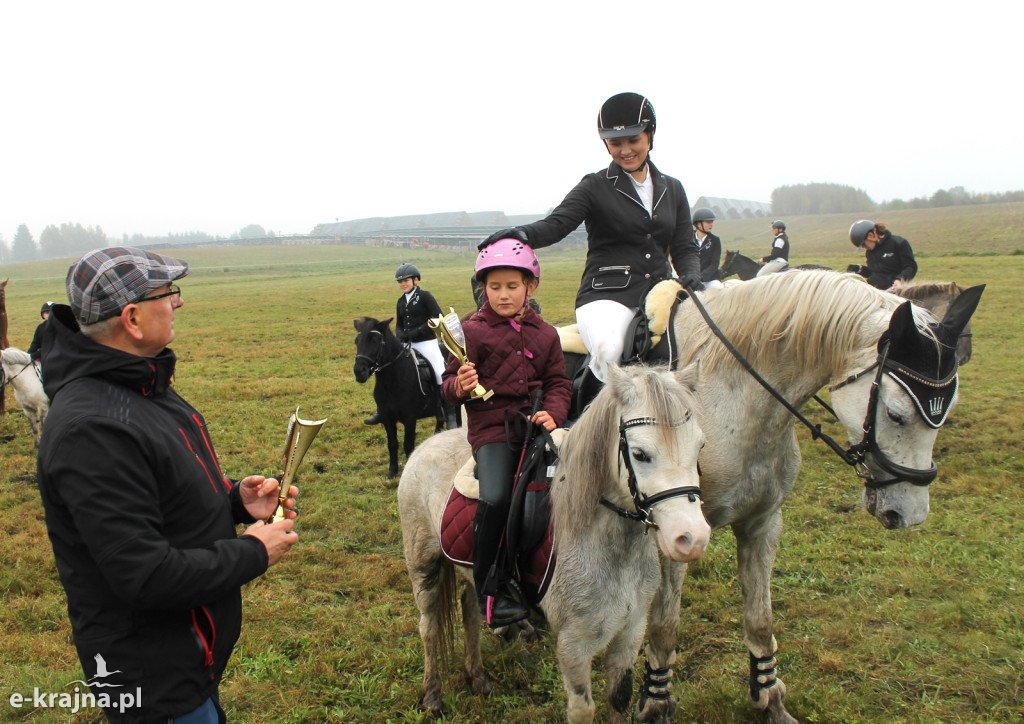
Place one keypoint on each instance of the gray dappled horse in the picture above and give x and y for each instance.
(17, 370)
(893, 380)
(638, 433)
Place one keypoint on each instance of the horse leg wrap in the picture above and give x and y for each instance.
(657, 683)
(762, 678)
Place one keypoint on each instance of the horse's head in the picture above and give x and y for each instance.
(371, 345)
(893, 410)
(636, 447)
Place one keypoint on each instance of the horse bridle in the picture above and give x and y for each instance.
(375, 364)
(5, 380)
(643, 504)
(855, 455)
(869, 444)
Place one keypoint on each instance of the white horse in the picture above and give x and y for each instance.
(18, 371)
(893, 379)
(607, 568)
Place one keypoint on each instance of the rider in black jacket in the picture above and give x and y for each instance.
(637, 219)
(890, 260)
(709, 246)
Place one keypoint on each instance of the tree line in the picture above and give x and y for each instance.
(822, 198)
(73, 240)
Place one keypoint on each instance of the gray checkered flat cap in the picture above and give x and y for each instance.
(105, 281)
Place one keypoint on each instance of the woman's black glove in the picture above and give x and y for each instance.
(854, 268)
(694, 284)
(515, 233)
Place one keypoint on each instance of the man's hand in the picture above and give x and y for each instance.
(277, 537)
(260, 496)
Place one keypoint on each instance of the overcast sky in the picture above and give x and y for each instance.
(209, 116)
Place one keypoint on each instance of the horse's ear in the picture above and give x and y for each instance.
(616, 379)
(385, 323)
(901, 324)
(960, 310)
(689, 375)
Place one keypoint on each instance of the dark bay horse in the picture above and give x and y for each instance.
(735, 263)
(400, 395)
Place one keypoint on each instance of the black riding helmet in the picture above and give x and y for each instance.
(779, 224)
(625, 115)
(703, 214)
(406, 271)
(47, 307)
(859, 232)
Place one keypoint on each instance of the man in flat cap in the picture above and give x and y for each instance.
(140, 516)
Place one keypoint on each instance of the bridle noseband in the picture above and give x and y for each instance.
(643, 504)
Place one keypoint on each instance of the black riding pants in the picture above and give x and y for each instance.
(495, 469)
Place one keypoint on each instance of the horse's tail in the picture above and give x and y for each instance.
(446, 590)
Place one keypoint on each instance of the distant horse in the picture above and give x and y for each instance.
(631, 450)
(936, 298)
(398, 392)
(16, 369)
(893, 381)
(736, 263)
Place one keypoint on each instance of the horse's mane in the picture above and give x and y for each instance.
(14, 355)
(590, 450)
(923, 290)
(817, 317)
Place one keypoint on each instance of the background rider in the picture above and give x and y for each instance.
(890, 260)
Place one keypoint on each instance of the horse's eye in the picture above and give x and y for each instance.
(898, 419)
(640, 456)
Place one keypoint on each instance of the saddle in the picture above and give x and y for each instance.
(645, 341)
(533, 537)
(425, 372)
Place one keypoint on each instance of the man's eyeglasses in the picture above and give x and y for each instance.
(175, 289)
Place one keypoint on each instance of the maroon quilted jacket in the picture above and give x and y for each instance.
(514, 363)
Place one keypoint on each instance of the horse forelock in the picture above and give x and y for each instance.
(815, 318)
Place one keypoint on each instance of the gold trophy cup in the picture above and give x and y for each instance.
(300, 437)
(449, 330)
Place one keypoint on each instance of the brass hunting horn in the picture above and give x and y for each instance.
(300, 437)
(449, 330)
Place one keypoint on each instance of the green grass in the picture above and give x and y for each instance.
(923, 625)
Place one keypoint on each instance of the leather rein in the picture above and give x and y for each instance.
(855, 455)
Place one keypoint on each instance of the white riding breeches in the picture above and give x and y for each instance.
(602, 326)
(713, 284)
(431, 352)
(770, 267)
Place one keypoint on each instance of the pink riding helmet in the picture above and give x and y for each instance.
(510, 253)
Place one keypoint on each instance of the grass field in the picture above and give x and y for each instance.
(922, 625)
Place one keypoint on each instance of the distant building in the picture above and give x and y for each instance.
(734, 208)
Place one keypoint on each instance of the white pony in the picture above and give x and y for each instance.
(893, 378)
(607, 568)
(18, 371)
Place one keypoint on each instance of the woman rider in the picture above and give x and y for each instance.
(709, 246)
(637, 218)
(413, 309)
(890, 260)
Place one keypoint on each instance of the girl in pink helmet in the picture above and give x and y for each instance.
(515, 353)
